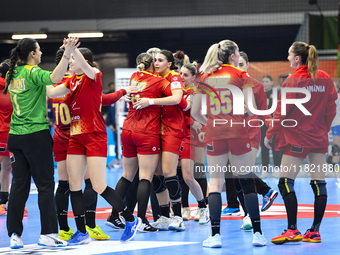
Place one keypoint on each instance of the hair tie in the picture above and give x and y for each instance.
(17, 49)
(219, 46)
(307, 47)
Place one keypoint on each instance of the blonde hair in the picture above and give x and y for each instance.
(153, 51)
(144, 61)
(217, 55)
(192, 67)
(309, 56)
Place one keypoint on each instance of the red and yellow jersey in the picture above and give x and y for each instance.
(173, 120)
(146, 120)
(234, 126)
(309, 131)
(86, 104)
(6, 107)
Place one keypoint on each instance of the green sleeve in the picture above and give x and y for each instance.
(40, 77)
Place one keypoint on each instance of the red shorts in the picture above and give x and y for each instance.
(91, 144)
(3, 144)
(301, 152)
(188, 151)
(134, 143)
(172, 144)
(60, 151)
(254, 144)
(237, 146)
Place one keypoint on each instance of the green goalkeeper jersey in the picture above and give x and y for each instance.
(28, 95)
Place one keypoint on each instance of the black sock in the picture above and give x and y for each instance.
(143, 193)
(319, 210)
(3, 197)
(204, 185)
(127, 215)
(165, 210)
(177, 208)
(202, 204)
(90, 199)
(78, 207)
(122, 188)
(215, 207)
(252, 204)
(185, 194)
(61, 199)
(240, 195)
(290, 201)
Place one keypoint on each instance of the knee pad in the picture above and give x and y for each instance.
(158, 184)
(286, 186)
(90, 196)
(62, 197)
(335, 150)
(319, 188)
(175, 190)
(247, 184)
(199, 171)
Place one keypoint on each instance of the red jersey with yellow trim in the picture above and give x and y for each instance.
(234, 126)
(191, 134)
(261, 103)
(312, 130)
(146, 120)
(86, 103)
(61, 108)
(6, 107)
(173, 120)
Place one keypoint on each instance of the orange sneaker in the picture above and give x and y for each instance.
(313, 237)
(287, 236)
(3, 210)
(25, 212)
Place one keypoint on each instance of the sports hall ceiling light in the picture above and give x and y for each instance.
(86, 35)
(34, 36)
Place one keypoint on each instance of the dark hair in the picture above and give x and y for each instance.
(19, 54)
(244, 56)
(143, 61)
(88, 55)
(59, 55)
(308, 54)
(4, 66)
(268, 77)
(169, 57)
(179, 58)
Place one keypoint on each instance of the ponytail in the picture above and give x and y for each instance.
(12, 63)
(309, 56)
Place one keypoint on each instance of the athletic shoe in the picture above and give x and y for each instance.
(51, 240)
(177, 224)
(247, 226)
(259, 240)
(197, 216)
(66, 235)
(16, 242)
(131, 229)
(115, 222)
(204, 216)
(145, 227)
(97, 233)
(288, 236)
(25, 212)
(79, 238)
(3, 210)
(213, 241)
(186, 213)
(231, 212)
(313, 237)
(268, 199)
(162, 223)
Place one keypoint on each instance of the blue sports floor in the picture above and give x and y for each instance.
(234, 240)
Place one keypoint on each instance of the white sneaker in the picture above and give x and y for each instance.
(177, 224)
(186, 213)
(213, 241)
(204, 216)
(162, 223)
(197, 216)
(247, 226)
(259, 240)
(51, 240)
(16, 242)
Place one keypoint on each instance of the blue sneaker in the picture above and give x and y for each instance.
(268, 199)
(231, 212)
(130, 229)
(213, 241)
(79, 238)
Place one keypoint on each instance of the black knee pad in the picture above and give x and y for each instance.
(286, 186)
(335, 150)
(319, 188)
(247, 184)
(90, 196)
(175, 190)
(199, 171)
(62, 196)
(158, 184)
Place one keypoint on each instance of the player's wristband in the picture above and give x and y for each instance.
(151, 102)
